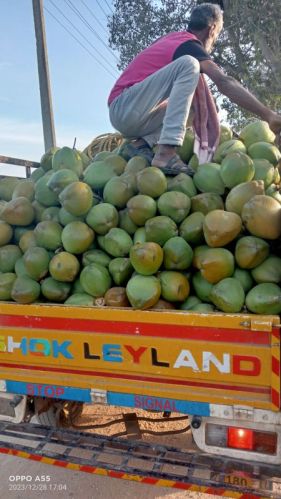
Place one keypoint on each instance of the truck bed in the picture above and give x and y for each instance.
(164, 360)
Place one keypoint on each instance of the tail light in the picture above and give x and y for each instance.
(232, 437)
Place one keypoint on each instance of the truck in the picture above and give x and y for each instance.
(220, 370)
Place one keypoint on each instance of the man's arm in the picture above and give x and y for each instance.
(239, 95)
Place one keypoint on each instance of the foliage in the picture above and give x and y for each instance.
(249, 48)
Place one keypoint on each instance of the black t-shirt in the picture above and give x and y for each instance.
(193, 48)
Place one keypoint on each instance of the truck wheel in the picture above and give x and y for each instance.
(58, 414)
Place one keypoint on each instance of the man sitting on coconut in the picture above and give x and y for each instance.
(151, 101)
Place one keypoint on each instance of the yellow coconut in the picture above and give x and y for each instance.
(262, 217)
(221, 227)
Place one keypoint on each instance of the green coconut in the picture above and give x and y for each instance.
(178, 254)
(43, 194)
(152, 182)
(141, 208)
(102, 217)
(174, 286)
(96, 255)
(175, 205)
(135, 164)
(25, 290)
(68, 158)
(46, 161)
(95, 280)
(19, 231)
(159, 229)
(208, 179)
(228, 147)
(118, 191)
(185, 151)
(7, 186)
(36, 174)
(146, 258)
(245, 278)
(202, 287)
(139, 235)
(6, 233)
(143, 292)
(38, 210)
(48, 235)
(20, 269)
(131, 180)
(77, 198)
(102, 155)
(18, 211)
(241, 194)
(126, 223)
(24, 189)
(77, 286)
(268, 271)
(264, 299)
(261, 216)
(256, 132)
(101, 241)
(55, 291)
(80, 300)
(27, 240)
(236, 168)
(264, 150)
(120, 270)
(190, 302)
(77, 237)
(205, 202)
(64, 267)
(7, 280)
(98, 173)
(264, 171)
(60, 179)
(274, 192)
(228, 295)
(51, 213)
(182, 183)
(225, 134)
(36, 261)
(117, 162)
(117, 242)
(66, 218)
(250, 252)
(198, 255)
(191, 229)
(203, 308)
(9, 254)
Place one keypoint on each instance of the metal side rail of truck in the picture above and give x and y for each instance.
(221, 370)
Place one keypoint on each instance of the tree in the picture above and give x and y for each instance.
(249, 49)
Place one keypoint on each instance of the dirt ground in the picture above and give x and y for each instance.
(153, 426)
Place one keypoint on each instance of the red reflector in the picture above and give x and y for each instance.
(240, 438)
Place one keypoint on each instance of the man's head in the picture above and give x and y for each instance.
(206, 21)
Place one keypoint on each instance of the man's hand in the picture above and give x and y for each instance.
(236, 93)
(274, 121)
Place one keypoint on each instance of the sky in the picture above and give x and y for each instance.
(79, 83)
